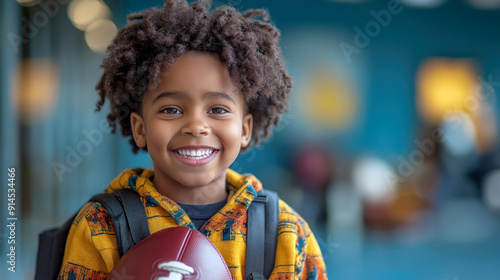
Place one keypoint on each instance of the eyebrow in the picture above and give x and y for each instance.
(207, 95)
(169, 94)
(217, 95)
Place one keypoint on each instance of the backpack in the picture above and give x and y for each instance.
(130, 223)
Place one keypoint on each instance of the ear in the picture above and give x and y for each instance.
(138, 129)
(246, 131)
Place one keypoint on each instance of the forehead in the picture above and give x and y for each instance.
(197, 70)
(192, 76)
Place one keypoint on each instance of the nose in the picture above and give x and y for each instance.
(195, 126)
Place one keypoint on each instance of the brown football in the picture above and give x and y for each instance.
(178, 253)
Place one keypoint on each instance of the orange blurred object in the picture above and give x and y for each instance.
(35, 89)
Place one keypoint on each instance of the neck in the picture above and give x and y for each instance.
(213, 192)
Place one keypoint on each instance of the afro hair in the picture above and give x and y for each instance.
(244, 41)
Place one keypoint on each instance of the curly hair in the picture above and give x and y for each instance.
(155, 38)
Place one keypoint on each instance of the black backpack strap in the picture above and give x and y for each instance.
(272, 223)
(51, 246)
(125, 209)
(123, 206)
(262, 235)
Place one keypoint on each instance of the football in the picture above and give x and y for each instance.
(178, 253)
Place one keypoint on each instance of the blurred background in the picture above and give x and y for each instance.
(390, 150)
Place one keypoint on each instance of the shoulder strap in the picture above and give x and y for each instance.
(125, 209)
(51, 245)
(262, 235)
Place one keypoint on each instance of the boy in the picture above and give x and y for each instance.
(193, 88)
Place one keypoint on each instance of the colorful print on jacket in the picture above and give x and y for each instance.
(91, 251)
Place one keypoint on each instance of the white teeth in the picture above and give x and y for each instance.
(195, 154)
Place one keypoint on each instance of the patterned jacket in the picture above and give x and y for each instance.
(91, 250)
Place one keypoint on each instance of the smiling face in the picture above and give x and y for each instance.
(194, 125)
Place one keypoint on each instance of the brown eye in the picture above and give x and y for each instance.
(218, 110)
(171, 111)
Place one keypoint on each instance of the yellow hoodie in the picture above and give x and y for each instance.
(91, 250)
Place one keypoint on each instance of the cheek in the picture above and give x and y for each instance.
(230, 134)
(157, 137)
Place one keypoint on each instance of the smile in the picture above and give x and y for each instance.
(195, 154)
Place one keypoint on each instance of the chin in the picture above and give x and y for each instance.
(200, 178)
(195, 182)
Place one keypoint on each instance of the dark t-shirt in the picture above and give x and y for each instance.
(199, 214)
